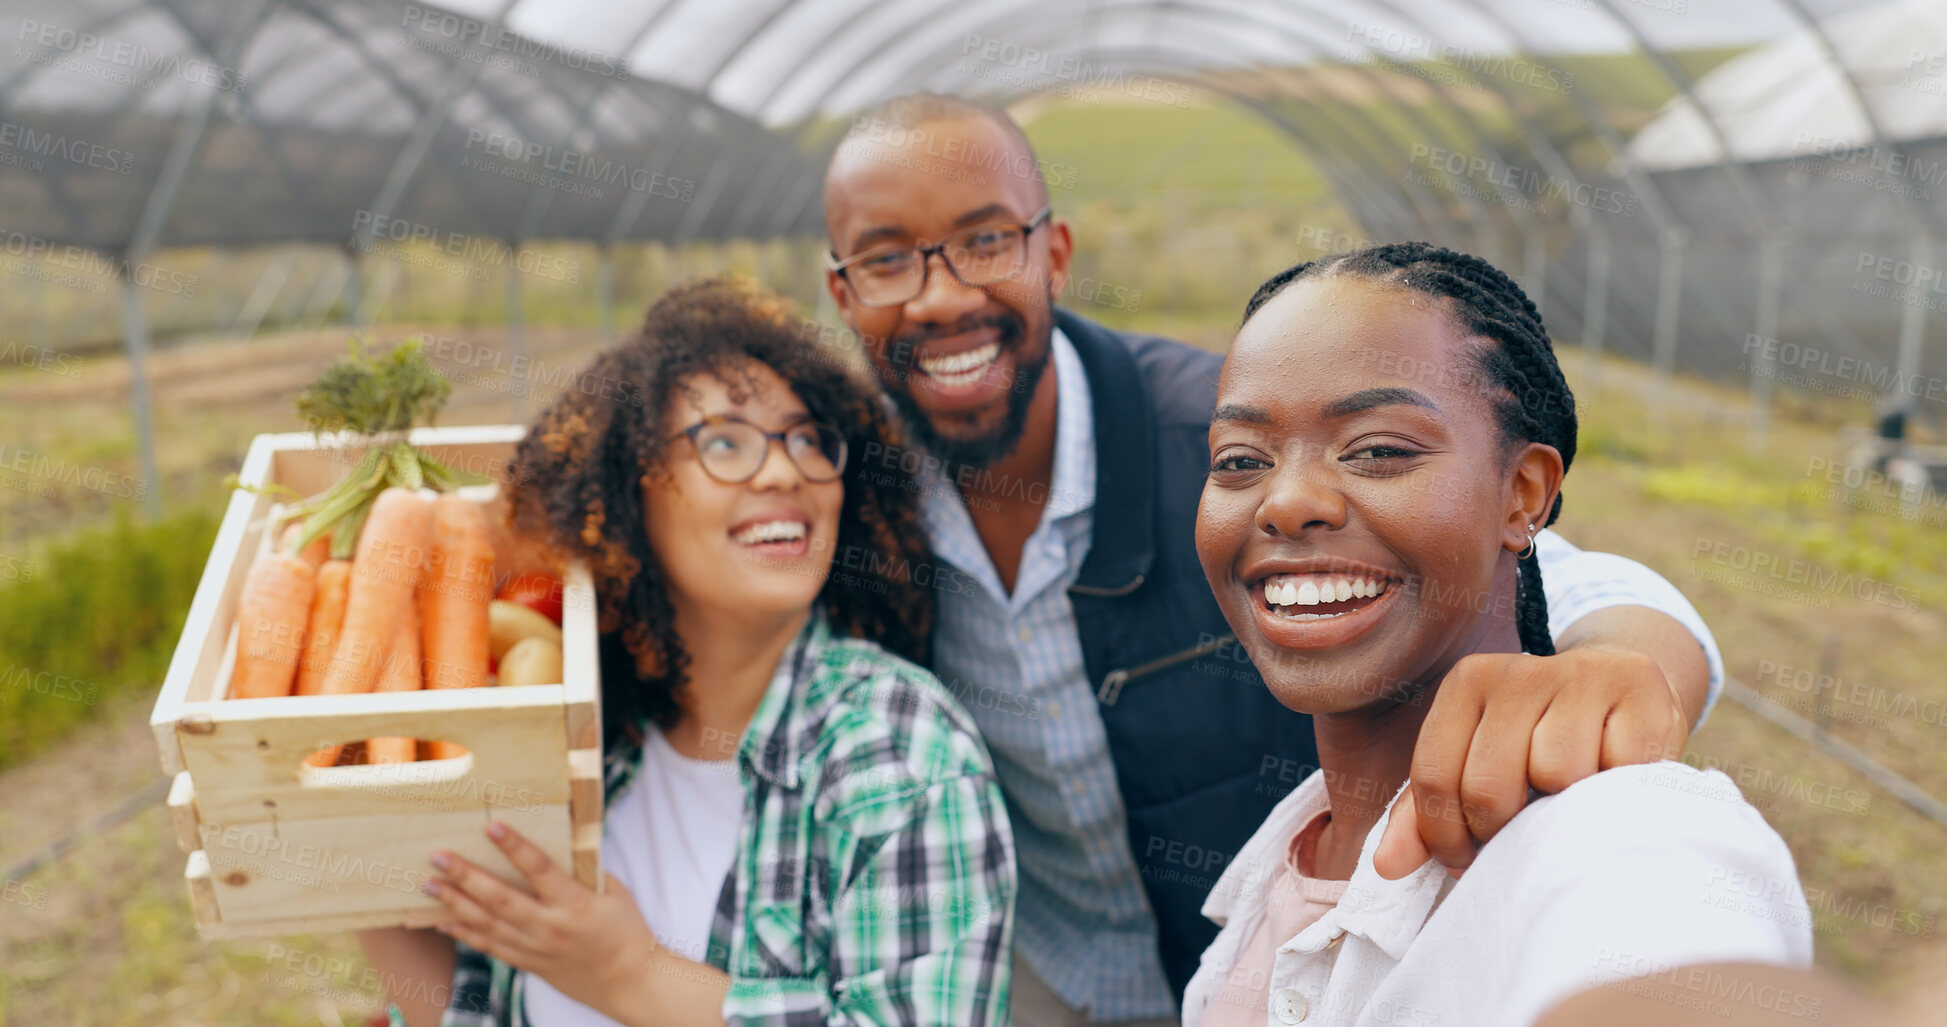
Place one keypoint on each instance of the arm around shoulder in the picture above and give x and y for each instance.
(1601, 601)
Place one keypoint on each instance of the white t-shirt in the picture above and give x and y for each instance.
(1632, 872)
(670, 837)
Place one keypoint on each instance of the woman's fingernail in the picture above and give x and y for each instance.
(442, 861)
(431, 887)
(497, 831)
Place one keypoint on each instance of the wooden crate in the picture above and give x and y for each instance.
(277, 846)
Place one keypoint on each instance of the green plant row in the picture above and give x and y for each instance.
(94, 616)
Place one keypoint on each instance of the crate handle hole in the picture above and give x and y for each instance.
(354, 764)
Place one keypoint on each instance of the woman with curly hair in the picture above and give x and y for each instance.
(803, 825)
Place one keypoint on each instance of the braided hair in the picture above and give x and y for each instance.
(1536, 404)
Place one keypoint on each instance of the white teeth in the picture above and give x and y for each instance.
(961, 368)
(771, 531)
(1288, 590)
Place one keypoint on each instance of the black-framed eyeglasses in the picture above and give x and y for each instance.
(982, 255)
(733, 450)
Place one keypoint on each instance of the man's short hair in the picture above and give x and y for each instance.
(916, 109)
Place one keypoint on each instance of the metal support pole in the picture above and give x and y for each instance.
(1534, 268)
(1764, 367)
(1669, 303)
(354, 289)
(1595, 307)
(263, 295)
(1913, 323)
(516, 345)
(135, 329)
(605, 290)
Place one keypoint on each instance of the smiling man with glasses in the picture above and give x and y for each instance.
(1137, 748)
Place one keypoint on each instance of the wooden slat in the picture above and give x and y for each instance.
(361, 864)
(182, 813)
(202, 893)
(247, 745)
(333, 924)
(588, 856)
(193, 667)
(581, 669)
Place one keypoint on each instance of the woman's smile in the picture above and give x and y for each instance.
(1318, 602)
(775, 533)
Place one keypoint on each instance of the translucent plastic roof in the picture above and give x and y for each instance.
(247, 121)
(1784, 99)
(234, 122)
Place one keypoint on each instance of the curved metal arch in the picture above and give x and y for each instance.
(1655, 205)
(1523, 219)
(1429, 208)
(1551, 157)
(55, 186)
(538, 203)
(1822, 41)
(298, 185)
(1746, 188)
(1390, 86)
(1323, 158)
(1754, 198)
(1427, 212)
(1320, 154)
(189, 142)
(421, 107)
(813, 52)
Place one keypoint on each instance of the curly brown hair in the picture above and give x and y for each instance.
(577, 483)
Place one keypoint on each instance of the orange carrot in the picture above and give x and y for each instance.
(401, 674)
(314, 554)
(453, 601)
(327, 617)
(271, 615)
(391, 557)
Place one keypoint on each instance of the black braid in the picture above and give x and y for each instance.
(1539, 407)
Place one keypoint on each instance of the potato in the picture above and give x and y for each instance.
(510, 623)
(532, 661)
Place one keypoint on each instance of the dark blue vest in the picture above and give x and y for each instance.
(1202, 751)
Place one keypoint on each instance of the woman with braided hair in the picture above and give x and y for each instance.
(1391, 431)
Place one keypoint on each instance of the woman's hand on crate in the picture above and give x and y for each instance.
(596, 949)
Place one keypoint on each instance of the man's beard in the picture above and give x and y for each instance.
(983, 450)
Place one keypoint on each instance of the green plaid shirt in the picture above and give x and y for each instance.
(874, 879)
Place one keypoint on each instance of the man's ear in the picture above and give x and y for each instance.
(840, 295)
(1061, 250)
(1534, 482)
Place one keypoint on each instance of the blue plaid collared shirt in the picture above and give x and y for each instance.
(1083, 923)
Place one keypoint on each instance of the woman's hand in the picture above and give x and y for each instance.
(1506, 726)
(596, 949)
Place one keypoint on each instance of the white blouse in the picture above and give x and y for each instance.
(1632, 872)
(670, 837)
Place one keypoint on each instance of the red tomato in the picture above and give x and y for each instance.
(537, 592)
